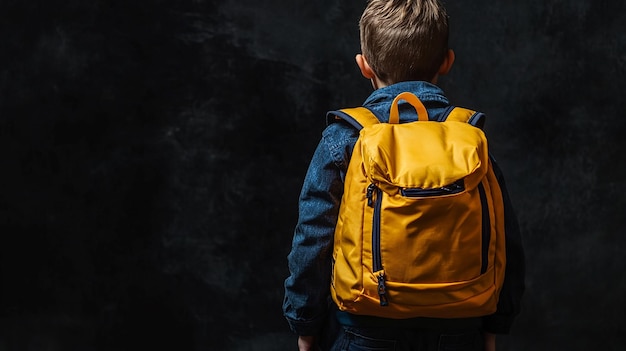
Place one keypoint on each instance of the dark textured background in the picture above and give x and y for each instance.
(152, 154)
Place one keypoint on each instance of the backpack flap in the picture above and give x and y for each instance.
(425, 155)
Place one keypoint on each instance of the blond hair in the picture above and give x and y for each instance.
(404, 39)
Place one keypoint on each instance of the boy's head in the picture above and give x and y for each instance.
(404, 40)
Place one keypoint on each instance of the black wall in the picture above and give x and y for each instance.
(152, 153)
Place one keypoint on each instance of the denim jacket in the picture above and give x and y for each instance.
(307, 289)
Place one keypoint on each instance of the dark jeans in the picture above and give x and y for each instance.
(403, 339)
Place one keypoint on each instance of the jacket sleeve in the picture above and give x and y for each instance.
(307, 289)
(514, 286)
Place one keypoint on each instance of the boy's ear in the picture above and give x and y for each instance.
(446, 65)
(366, 71)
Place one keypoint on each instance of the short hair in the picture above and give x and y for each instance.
(404, 39)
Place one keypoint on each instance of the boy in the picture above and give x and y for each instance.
(404, 48)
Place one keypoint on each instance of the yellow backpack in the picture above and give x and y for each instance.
(420, 231)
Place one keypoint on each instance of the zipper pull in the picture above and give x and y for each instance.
(382, 290)
(454, 187)
(369, 194)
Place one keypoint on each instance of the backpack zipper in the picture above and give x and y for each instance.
(450, 189)
(376, 257)
(486, 230)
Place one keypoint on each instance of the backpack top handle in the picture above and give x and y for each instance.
(394, 115)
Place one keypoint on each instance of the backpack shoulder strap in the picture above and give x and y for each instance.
(460, 114)
(358, 117)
